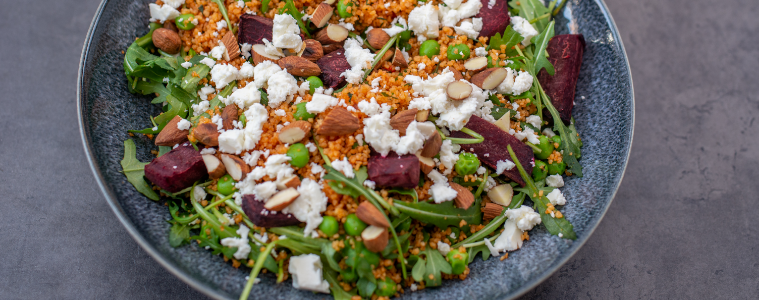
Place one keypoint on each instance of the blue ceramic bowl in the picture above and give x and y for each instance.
(604, 114)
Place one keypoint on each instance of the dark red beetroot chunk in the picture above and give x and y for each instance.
(394, 170)
(253, 29)
(495, 19)
(176, 170)
(494, 146)
(332, 65)
(263, 217)
(565, 53)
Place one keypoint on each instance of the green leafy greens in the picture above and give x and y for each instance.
(134, 170)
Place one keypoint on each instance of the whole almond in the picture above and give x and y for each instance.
(167, 40)
(299, 66)
(377, 38)
(228, 116)
(295, 132)
(464, 198)
(402, 119)
(207, 134)
(170, 135)
(339, 122)
(432, 145)
(313, 50)
(491, 210)
(368, 213)
(326, 49)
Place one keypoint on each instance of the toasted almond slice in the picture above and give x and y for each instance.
(504, 122)
(207, 134)
(426, 164)
(331, 34)
(375, 238)
(399, 60)
(476, 64)
(491, 210)
(456, 74)
(299, 66)
(228, 116)
(501, 194)
(236, 167)
(385, 57)
(312, 50)
(259, 54)
(432, 146)
(214, 166)
(295, 132)
(339, 122)
(170, 135)
(458, 90)
(282, 199)
(331, 47)
(291, 182)
(368, 213)
(489, 78)
(233, 49)
(464, 198)
(330, 2)
(377, 38)
(422, 115)
(401, 120)
(321, 15)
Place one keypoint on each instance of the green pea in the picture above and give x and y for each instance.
(405, 46)
(557, 168)
(458, 261)
(329, 225)
(299, 154)
(242, 119)
(372, 258)
(314, 83)
(226, 185)
(457, 52)
(349, 275)
(429, 48)
(385, 287)
(342, 8)
(301, 113)
(404, 36)
(353, 225)
(545, 146)
(540, 171)
(183, 21)
(556, 139)
(467, 164)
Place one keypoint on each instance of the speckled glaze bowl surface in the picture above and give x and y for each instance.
(604, 114)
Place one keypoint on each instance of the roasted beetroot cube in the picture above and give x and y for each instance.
(263, 217)
(394, 170)
(565, 53)
(332, 65)
(176, 170)
(253, 29)
(495, 19)
(494, 147)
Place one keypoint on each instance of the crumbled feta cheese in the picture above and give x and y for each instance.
(441, 191)
(270, 49)
(555, 181)
(241, 243)
(265, 190)
(412, 142)
(241, 4)
(519, 220)
(453, 114)
(221, 24)
(493, 250)
(423, 21)
(443, 248)
(524, 28)
(281, 86)
(371, 108)
(534, 121)
(309, 205)
(306, 270)
(548, 132)
(320, 102)
(183, 124)
(556, 197)
(232, 141)
(470, 28)
(447, 157)
(414, 287)
(394, 28)
(245, 50)
(285, 32)
(481, 170)
(370, 184)
(186, 65)
(208, 62)
(246, 70)
(522, 83)
(359, 59)
(316, 168)
(245, 97)
(208, 151)
(421, 66)
(343, 166)
(200, 108)
(379, 134)
(174, 3)
(223, 74)
(454, 11)
(162, 13)
(504, 165)
(263, 71)
(528, 134)
(251, 158)
(525, 217)
(348, 26)
(311, 147)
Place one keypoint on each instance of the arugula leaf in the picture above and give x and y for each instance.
(329, 253)
(134, 170)
(541, 57)
(337, 290)
(177, 109)
(510, 38)
(479, 249)
(364, 270)
(570, 145)
(441, 215)
(264, 97)
(163, 150)
(223, 10)
(436, 264)
(532, 10)
(419, 269)
(179, 234)
(216, 101)
(366, 287)
(408, 192)
(190, 82)
(139, 63)
(391, 247)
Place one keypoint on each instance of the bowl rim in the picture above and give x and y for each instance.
(208, 290)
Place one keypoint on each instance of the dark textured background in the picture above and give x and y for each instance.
(680, 227)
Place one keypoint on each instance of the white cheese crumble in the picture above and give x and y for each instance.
(285, 32)
(221, 24)
(241, 243)
(281, 86)
(245, 50)
(246, 70)
(453, 114)
(359, 59)
(320, 102)
(454, 11)
(186, 65)
(548, 132)
(200, 108)
(379, 134)
(528, 134)
(443, 248)
(344, 166)
(183, 124)
(441, 191)
(162, 13)
(263, 71)
(309, 205)
(394, 28)
(223, 74)
(306, 270)
(519, 220)
(174, 3)
(504, 165)
(471, 29)
(208, 62)
(423, 21)
(245, 97)
(524, 28)
(370, 184)
(265, 190)
(534, 121)
(556, 197)
(555, 181)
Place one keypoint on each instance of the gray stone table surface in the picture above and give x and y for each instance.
(683, 224)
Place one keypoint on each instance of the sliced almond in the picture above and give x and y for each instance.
(321, 15)
(330, 48)
(501, 194)
(456, 74)
(312, 50)
(170, 135)
(458, 90)
(399, 60)
(425, 163)
(233, 49)
(422, 115)
(504, 122)
(330, 2)
(291, 182)
(228, 116)
(426, 128)
(282, 199)
(299, 66)
(236, 167)
(339, 122)
(489, 78)
(259, 54)
(432, 146)
(214, 166)
(385, 57)
(295, 132)
(377, 38)
(476, 64)
(464, 198)
(207, 134)
(375, 238)
(401, 120)
(331, 34)
(491, 211)
(369, 213)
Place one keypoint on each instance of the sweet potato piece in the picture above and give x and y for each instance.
(332, 65)
(565, 53)
(253, 29)
(263, 217)
(176, 170)
(394, 170)
(493, 149)
(495, 19)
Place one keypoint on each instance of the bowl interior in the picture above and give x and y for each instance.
(604, 114)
